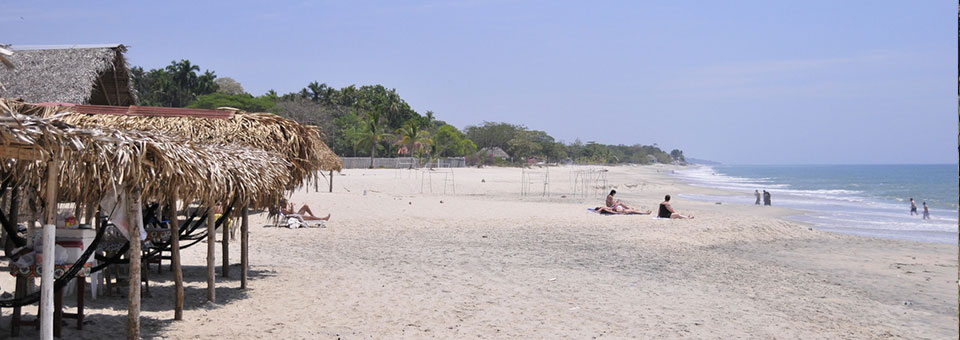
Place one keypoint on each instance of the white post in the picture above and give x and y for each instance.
(46, 285)
(49, 246)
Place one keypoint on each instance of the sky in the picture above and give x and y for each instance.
(740, 82)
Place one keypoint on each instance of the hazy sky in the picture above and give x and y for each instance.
(732, 81)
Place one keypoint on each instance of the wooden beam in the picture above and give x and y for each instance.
(24, 153)
(133, 309)
(244, 242)
(331, 180)
(211, 240)
(103, 89)
(175, 257)
(225, 242)
(49, 246)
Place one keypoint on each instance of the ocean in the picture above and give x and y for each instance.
(868, 200)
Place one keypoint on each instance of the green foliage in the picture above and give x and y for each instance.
(450, 142)
(242, 101)
(350, 131)
(357, 121)
(415, 139)
(491, 134)
(176, 85)
(373, 134)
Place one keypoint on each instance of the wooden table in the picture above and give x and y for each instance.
(24, 273)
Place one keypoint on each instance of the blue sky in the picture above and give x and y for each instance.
(758, 82)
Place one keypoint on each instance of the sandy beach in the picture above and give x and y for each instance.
(405, 258)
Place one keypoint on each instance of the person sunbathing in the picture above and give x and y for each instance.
(303, 212)
(613, 211)
(666, 211)
(615, 204)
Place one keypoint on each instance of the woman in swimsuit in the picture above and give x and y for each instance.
(288, 210)
(614, 203)
(666, 211)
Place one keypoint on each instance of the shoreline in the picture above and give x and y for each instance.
(808, 216)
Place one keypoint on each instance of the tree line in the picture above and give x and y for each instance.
(373, 121)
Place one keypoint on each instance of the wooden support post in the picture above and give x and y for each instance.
(133, 309)
(225, 242)
(49, 246)
(211, 240)
(331, 180)
(14, 215)
(88, 215)
(175, 258)
(244, 243)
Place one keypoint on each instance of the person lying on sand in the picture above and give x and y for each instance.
(666, 211)
(612, 211)
(615, 204)
(303, 212)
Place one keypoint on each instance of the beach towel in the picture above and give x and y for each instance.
(601, 212)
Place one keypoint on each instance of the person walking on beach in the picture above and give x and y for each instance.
(757, 194)
(926, 211)
(766, 198)
(913, 207)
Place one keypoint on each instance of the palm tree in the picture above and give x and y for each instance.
(414, 138)
(373, 134)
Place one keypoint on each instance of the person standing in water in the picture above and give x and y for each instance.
(913, 207)
(926, 211)
(757, 194)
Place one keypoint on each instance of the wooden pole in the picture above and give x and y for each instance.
(133, 311)
(49, 246)
(331, 180)
(225, 242)
(244, 242)
(175, 257)
(211, 240)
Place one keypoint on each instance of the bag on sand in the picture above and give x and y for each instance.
(294, 223)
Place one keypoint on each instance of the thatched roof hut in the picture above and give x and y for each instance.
(301, 145)
(79, 74)
(95, 159)
(493, 152)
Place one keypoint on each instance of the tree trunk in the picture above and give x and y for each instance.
(225, 242)
(175, 258)
(244, 243)
(133, 309)
(211, 249)
(373, 153)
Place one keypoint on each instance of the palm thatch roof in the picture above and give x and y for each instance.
(79, 74)
(301, 145)
(96, 159)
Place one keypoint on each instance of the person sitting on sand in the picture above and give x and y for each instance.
(615, 204)
(666, 211)
(302, 212)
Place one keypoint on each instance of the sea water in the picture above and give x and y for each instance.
(868, 200)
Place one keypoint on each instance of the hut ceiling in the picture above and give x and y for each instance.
(95, 159)
(91, 74)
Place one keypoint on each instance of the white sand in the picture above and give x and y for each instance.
(486, 263)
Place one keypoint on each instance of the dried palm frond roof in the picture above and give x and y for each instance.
(96, 159)
(301, 145)
(80, 74)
